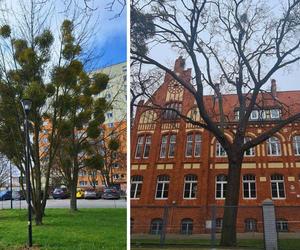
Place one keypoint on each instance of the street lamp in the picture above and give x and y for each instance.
(26, 104)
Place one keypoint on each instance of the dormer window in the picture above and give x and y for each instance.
(254, 115)
(275, 113)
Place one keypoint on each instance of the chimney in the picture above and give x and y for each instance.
(273, 88)
(179, 65)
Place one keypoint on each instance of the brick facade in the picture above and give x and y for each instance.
(208, 166)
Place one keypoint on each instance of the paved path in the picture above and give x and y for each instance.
(66, 204)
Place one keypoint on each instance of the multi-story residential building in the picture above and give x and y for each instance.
(178, 170)
(114, 125)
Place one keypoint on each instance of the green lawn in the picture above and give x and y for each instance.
(99, 228)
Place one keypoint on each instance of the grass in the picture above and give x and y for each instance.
(97, 228)
(250, 244)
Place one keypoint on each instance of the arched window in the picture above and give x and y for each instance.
(190, 186)
(186, 226)
(220, 151)
(273, 146)
(282, 225)
(250, 151)
(136, 186)
(221, 184)
(143, 146)
(249, 186)
(277, 186)
(167, 146)
(193, 145)
(250, 225)
(162, 187)
(172, 110)
(296, 144)
(156, 226)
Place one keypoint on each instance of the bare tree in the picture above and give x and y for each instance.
(234, 46)
(4, 172)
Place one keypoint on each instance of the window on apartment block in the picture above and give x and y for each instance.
(250, 151)
(186, 226)
(220, 151)
(172, 110)
(273, 146)
(143, 146)
(190, 186)
(277, 186)
(296, 144)
(221, 184)
(156, 226)
(193, 145)
(167, 146)
(282, 225)
(162, 187)
(136, 186)
(250, 225)
(249, 186)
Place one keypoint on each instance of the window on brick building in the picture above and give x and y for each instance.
(186, 226)
(296, 144)
(250, 151)
(282, 225)
(277, 186)
(136, 186)
(273, 146)
(219, 224)
(190, 186)
(171, 111)
(250, 225)
(249, 186)
(221, 184)
(156, 226)
(193, 145)
(143, 146)
(220, 151)
(131, 224)
(167, 146)
(162, 187)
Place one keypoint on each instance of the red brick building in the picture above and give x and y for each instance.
(179, 170)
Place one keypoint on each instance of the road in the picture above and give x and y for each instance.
(66, 204)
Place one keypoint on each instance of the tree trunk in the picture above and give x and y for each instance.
(73, 199)
(228, 237)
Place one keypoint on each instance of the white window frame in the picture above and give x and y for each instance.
(163, 144)
(254, 115)
(193, 181)
(273, 141)
(172, 144)
(296, 145)
(277, 182)
(137, 182)
(189, 143)
(277, 116)
(164, 184)
(147, 144)
(219, 150)
(248, 181)
(198, 142)
(252, 150)
(222, 183)
(139, 146)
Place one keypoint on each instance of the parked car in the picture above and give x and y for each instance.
(80, 194)
(92, 194)
(5, 195)
(111, 193)
(18, 195)
(60, 193)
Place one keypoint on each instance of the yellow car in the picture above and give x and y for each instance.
(80, 194)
